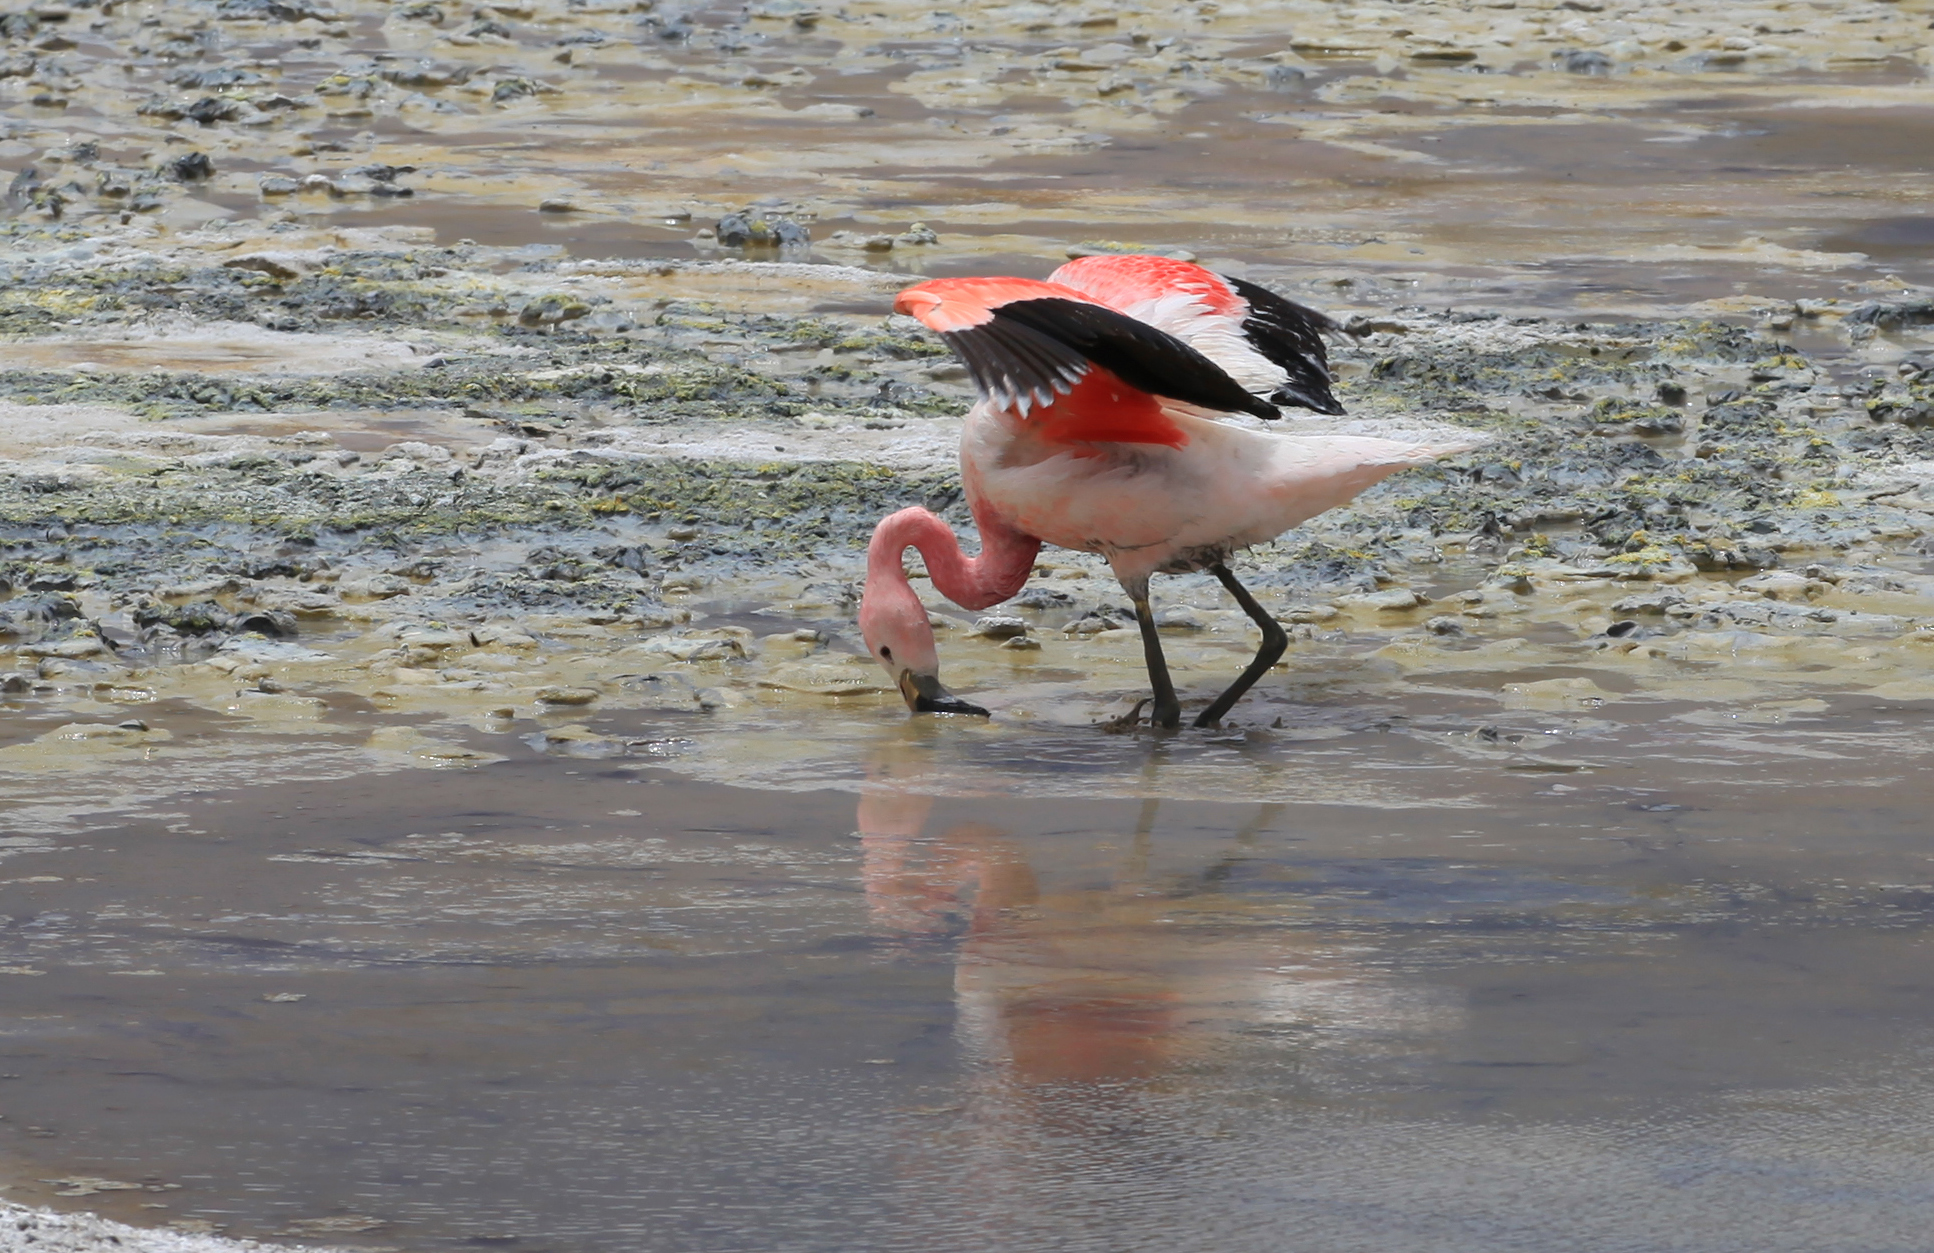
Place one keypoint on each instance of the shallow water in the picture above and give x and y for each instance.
(1499, 938)
(1661, 986)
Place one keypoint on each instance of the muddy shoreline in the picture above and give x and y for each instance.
(389, 388)
(493, 485)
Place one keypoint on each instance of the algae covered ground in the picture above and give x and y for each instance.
(471, 484)
(568, 323)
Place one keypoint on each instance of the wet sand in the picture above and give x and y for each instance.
(445, 803)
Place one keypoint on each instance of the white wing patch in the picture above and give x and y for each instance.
(1184, 314)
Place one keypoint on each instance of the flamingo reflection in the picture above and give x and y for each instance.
(1107, 974)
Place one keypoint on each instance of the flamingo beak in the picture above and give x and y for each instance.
(925, 696)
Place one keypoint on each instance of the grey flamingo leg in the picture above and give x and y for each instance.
(1168, 710)
(1274, 641)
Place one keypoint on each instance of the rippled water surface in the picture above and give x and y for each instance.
(1648, 982)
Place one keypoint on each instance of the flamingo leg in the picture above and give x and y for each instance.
(1168, 710)
(1274, 641)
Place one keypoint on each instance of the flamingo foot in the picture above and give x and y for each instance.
(1167, 713)
(1274, 641)
(1128, 721)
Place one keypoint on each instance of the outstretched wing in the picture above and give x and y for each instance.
(1291, 335)
(1271, 345)
(1027, 343)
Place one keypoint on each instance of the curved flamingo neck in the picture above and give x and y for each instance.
(1006, 557)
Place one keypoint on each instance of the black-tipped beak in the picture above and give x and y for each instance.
(925, 696)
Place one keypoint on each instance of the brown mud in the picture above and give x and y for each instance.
(446, 804)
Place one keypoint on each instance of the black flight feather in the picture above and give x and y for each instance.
(1291, 336)
(1040, 346)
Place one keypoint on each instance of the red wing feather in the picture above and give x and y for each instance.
(1128, 279)
(1103, 409)
(1026, 343)
(954, 304)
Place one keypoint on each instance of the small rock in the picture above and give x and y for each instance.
(380, 172)
(1512, 581)
(211, 109)
(1023, 643)
(615, 320)
(556, 204)
(501, 635)
(624, 557)
(751, 229)
(1583, 61)
(566, 695)
(1179, 618)
(1394, 600)
(1782, 585)
(551, 310)
(832, 112)
(1654, 603)
(265, 622)
(192, 167)
(376, 587)
(201, 618)
(1092, 624)
(13, 683)
(688, 648)
(264, 263)
(1444, 624)
(999, 627)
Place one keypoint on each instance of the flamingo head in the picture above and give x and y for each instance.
(894, 624)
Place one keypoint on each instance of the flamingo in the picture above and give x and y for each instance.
(1099, 428)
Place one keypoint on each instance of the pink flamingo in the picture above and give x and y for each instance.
(1097, 429)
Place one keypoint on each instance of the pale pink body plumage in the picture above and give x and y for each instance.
(1168, 489)
(1152, 509)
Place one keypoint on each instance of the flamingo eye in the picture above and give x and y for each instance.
(886, 654)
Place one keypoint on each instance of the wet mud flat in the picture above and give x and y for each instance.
(1542, 155)
(446, 804)
(470, 510)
